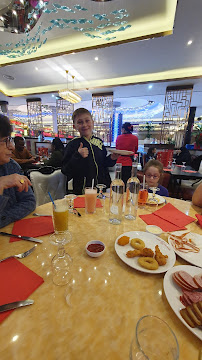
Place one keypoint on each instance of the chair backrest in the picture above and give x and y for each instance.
(54, 183)
(164, 180)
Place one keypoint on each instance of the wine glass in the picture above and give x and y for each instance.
(169, 164)
(101, 187)
(62, 261)
(154, 200)
(154, 340)
(70, 200)
(183, 165)
(173, 163)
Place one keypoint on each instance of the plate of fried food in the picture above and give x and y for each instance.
(187, 245)
(155, 199)
(145, 252)
(183, 289)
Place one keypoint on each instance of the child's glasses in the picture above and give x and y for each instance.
(152, 176)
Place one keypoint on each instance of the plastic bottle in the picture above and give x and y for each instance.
(116, 197)
(133, 187)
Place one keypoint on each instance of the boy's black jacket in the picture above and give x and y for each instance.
(83, 170)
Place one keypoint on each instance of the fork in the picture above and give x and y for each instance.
(36, 214)
(20, 256)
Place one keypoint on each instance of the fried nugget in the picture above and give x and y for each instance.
(146, 252)
(160, 258)
(133, 253)
(123, 240)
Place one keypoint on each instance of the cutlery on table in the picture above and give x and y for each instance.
(36, 214)
(75, 212)
(15, 305)
(20, 256)
(28, 238)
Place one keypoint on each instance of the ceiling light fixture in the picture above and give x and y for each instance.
(96, 58)
(36, 68)
(150, 86)
(68, 94)
(189, 42)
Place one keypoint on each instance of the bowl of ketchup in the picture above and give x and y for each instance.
(95, 248)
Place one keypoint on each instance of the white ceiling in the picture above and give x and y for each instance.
(136, 64)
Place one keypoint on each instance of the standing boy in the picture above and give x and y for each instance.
(86, 157)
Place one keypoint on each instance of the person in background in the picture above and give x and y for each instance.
(153, 171)
(197, 196)
(183, 155)
(57, 154)
(16, 196)
(21, 155)
(40, 136)
(151, 154)
(86, 157)
(126, 141)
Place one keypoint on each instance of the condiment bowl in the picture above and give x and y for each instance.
(154, 229)
(95, 243)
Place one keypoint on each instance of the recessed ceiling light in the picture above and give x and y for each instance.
(73, 53)
(8, 77)
(53, 95)
(36, 68)
(150, 86)
(189, 42)
(96, 58)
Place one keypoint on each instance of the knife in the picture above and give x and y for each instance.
(15, 305)
(29, 238)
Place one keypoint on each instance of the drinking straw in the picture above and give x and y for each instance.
(52, 199)
(92, 183)
(143, 182)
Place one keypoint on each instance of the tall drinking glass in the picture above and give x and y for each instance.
(60, 215)
(90, 200)
(142, 196)
(154, 340)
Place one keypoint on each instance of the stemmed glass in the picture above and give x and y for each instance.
(154, 200)
(101, 187)
(61, 262)
(173, 163)
(183, 165)
(169, 164)
(154, 340)
(70, 200)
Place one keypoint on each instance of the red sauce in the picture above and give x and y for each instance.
(95, 248)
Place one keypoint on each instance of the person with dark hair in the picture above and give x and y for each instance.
(86, 157)
(126, 141)
(57, 153)
(16, 197)
(151, 154)
(21, 155)
(153, 171)
(183, 155)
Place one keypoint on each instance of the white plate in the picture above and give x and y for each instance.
(121, 152)
(160, 199)
(191, 257)
(150, 241)
(173, 293)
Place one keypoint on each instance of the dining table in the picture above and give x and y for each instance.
(95, 315)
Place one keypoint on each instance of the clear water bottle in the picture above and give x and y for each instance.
(116, 197)
(132, 190)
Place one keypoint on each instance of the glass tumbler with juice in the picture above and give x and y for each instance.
(142, 196)
(90, 200)
(60, 215)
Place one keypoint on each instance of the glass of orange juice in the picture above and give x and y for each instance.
(60, 215)
(90, 199)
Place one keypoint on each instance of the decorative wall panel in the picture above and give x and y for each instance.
(64, 110)
(176, 110)
(102, 112)
(34, 112)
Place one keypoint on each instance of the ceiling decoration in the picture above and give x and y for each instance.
(68, 94)
(62, 29)
(17, 17)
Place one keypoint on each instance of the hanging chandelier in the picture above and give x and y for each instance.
(68, 94)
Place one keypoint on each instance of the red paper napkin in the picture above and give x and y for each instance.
(153, 219)
(173, 215)
(34, 227)
(17, 282)
(199, 217)
(79, 202)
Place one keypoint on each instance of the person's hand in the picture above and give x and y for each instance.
(32, 159)
(14, 180)
(114, 156)
(83, 151)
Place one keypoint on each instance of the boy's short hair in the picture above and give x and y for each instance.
(79, 112)
(154, 163)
